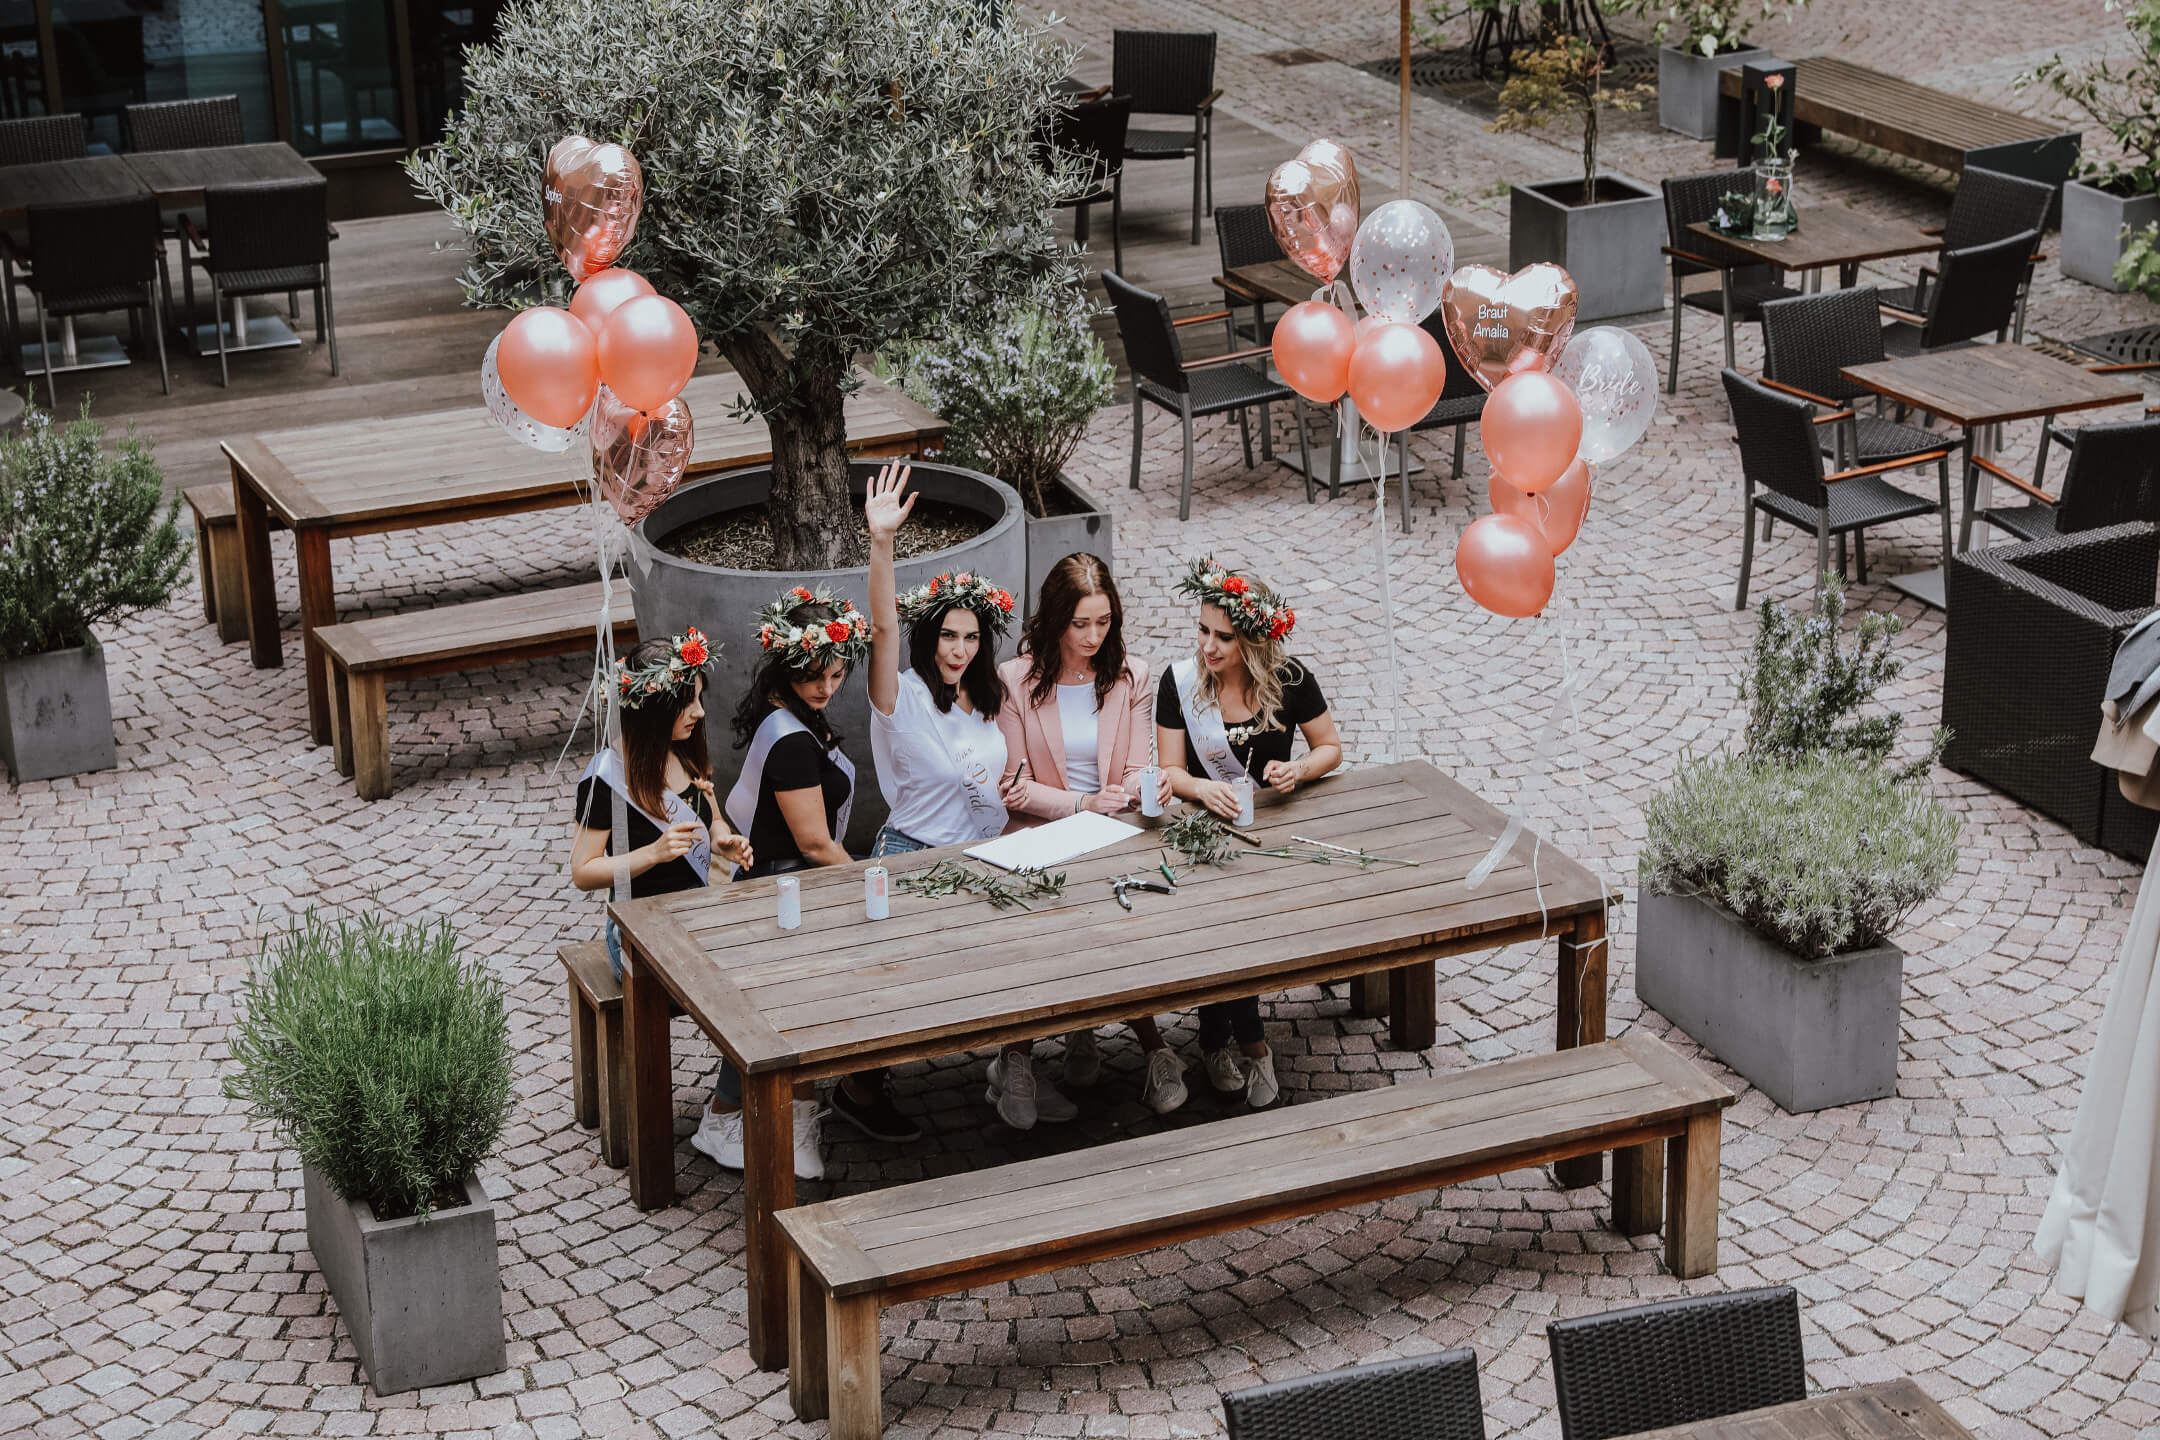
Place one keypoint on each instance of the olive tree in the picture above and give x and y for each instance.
(823, 179)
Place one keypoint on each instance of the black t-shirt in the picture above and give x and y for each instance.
(1301, 702)
(595, 811)
(795, 762)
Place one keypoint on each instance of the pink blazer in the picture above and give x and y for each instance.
(1033, 732)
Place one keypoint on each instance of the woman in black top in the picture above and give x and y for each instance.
(1228, 711)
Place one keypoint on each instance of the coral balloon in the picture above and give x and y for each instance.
(1506, 565)
(597, 298)
(1614, 377)
(547, 361)
(1558, 512)
(1400, 261)
(648, 347)
(1531, 428)
(1494, 318)
(1370, 323)
(590, 200)
(1313, 343)
(1312, 208)
(547, 439)
(639, 459)
(1396, 374)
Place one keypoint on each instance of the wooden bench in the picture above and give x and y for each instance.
(362, 656)
(596, 1049)
(1931, 126)
(217, 557)
(856, 1255)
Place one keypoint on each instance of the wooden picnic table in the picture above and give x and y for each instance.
(1829, 235)
(180, 176)
(1887, 1410)
(365, 477)
(842, 994)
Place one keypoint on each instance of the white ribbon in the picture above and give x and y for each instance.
(607, 767)
(1204, 726)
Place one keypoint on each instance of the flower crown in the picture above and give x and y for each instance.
(1255, 611)
(992, 605)
(673, 680)
(845, 637)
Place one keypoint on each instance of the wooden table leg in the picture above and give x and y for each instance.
(1369, 995)
(650, 1076)
(257, 581)
(1582, 1020)
(317, 607)
(768, 1188)
(1691, 1198)
(1638, 1189)
(1413, 1002)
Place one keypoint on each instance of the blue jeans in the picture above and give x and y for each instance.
(894, 842)
(727, 1089)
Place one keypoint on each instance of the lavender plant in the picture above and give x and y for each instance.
(82, 542)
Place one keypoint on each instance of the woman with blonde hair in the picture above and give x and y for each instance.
(1227, 713)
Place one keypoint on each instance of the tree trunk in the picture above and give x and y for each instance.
(812, 510)
(1589, 152)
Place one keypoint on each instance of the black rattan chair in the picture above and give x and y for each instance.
(1242, 237)
(184, 124)
(1987, 206)
(1807, 341)
(1170, 72)
(1975, 298)
(43, 137)
(271, 238)
(92, 257)
(1782, 463)
(2113, 478)
(1677, 1361)
(1426, 1397)
(1194, 388)
(1691, 198)
(2032, 630)
(1094, 130)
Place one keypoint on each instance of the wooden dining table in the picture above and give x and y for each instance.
(1830, 237)
(367, 477)
(1887, 1410)
(66, 182)
(179, 178)
(842, 993)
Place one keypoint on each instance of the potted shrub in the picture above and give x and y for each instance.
(383, 1058)
(1606, 230)
(1773, 878)
(1698, 39)
(2115, 197)
(2139, 267)
(82, 545)
(1019, 399)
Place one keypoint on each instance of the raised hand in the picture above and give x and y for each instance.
(883, 510)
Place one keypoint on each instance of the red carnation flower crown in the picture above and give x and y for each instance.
(673, 680)
(992, 604)
(845, 637)
(1254, 610)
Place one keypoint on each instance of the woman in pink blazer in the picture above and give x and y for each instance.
(1078, 716)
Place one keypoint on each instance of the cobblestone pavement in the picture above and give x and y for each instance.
(155, 1273)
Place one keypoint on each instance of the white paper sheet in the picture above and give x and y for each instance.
(1047, 846)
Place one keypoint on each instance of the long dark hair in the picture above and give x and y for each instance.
(1070, 581)
(769, 685)
(648, 735)
(984, 690)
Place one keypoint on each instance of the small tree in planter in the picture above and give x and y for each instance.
(384, 1059)
(2115, 195)
(87, 539)
(1563, 78)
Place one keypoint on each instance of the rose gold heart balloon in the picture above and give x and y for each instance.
(639, 459)
(591, 202)
(1312, 208)
(1499, 323)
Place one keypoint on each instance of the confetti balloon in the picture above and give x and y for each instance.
(1401, 260)
(521, 427)
(1615, 380)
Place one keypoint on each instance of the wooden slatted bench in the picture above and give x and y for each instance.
(217, 558)
(1931, 126)
(596, 1049)
(856, 1255)
(361, 656)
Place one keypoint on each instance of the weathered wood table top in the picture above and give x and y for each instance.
(180, 176)
(1278, 280)
(1891, 1410)
(65, 182)
(1829, 235)
(1991, 384)
(842, 994)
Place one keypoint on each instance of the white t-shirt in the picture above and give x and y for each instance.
(939, 772)
(1082, 728)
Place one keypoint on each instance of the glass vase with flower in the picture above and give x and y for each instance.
(1774, 217)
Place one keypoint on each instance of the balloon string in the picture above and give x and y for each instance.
(1560, 712)
(1387, 594)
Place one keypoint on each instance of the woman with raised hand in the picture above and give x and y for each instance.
(1228, 712)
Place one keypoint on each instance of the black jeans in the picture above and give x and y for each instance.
(1225, 1019)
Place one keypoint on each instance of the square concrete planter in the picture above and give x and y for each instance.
(2093, 221)
(1687, 87)
(1081, 524)
(1808, 1033)
(1611, 248)
(423, 1298)
(56, 714)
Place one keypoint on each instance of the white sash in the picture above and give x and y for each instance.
(741, 806)
(985, 811)
(607, 767)
(1204, 728)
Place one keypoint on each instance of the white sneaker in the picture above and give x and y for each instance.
(1225, 1070)
(1261, 1090)
(1165, 1090)
(809, 1136)
(1083, 1059)
(719, 1135)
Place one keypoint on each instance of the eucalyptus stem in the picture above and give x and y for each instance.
(951, 877)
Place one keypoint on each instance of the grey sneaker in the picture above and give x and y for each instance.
(1021, 1099)
(1165, 1090)
(1261, 1090)
(1083, 1059)
(1225, 1070)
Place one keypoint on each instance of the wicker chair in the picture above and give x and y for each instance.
(1782, 463)
(2114, 478)
(1170, 72)
(1807, 341)
(1094, 130)
(270, 238)
(184, 124)
(44, 137)
(1977, 296)
(1242, 237)
(92, 257)
(1691, 198)
(2031, 632)
(1193, 389)
(1676, 1362)
(1427, 1397)
(1987, 206)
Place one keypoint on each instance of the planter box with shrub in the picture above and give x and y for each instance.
(2117, 95)
(1076, 522)
(1687, 86)
(2097, 225)
(56, 714)
(1613, 247)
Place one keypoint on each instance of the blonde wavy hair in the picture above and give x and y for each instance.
(1266, 665)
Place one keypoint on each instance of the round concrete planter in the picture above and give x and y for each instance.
(1687, 87)
(673, 594)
